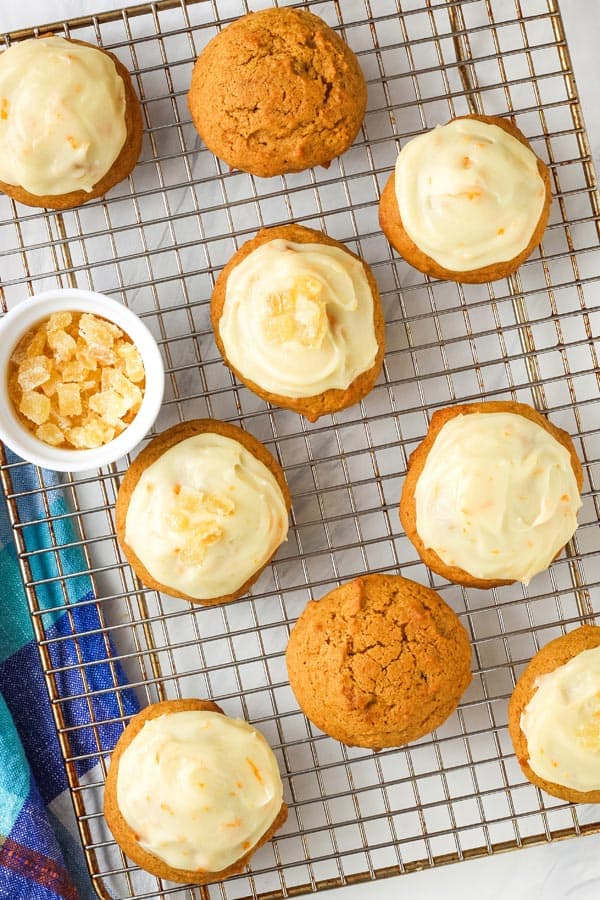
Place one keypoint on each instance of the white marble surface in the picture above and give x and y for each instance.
(569, 869)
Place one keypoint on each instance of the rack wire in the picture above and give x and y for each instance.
(157, 242)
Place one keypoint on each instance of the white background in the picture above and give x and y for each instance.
(570, 869)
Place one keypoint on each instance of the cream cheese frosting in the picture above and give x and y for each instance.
(562, 723)
(469, 194)
(205, 516)
(297, 319)
(62, 115)
(497, 496)
(198, 789)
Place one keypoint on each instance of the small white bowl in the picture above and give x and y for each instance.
(21, 319)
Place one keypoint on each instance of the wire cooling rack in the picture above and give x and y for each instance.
(157, 243)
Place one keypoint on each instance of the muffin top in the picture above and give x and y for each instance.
(561, 723)
(378, 662)
(497, 496)
(204, 501)
(298, 318)
(470, 194)
(198, 789)
(62, 115)
(277, 91)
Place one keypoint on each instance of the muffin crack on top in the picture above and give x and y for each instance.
(378, 662)
(277, 91)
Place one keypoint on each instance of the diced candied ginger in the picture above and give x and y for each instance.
(69, 399)
(33, 371)
(73, 371)
(61, 379)
(97, 331)
(59, 321)
(192, 554)
(37, 343)
(85, 356)
(113, 379)
(35, 407)
(20, 351)
(93, 433)
(50, 434)
(62, 344)
(297, 314)
(219, 504)
(109, 405)
(49, 387)
(134, 367)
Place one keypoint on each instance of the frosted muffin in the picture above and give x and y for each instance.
(191, 794)
(277, 91)
(201, 511)
(298, 318)
(468, 201)
(492, 493)
(554, 716)
(70, 122)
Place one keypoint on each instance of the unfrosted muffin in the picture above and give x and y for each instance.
(554, 717)
(468, 201)
(70, 122)
(298, 318)
(191, 794)
(379, 661)
(491, 494)
(277, 91)
(201, 511)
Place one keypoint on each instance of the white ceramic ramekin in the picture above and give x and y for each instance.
(21, 319)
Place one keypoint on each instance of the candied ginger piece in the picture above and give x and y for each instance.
(69, 399)
(73, 371)
(98, 430)
(192, 554)
(50, 434)
(109, 405)
(219, 504)
(76, 437)
(85, 356)
(20, 351)
(35, 407)
(62, 344)
(98, 331)
(177, 519)
(134, 367)
(37, 344)
(115, 380)
(33, 371)
(49, 387)
(59, 321)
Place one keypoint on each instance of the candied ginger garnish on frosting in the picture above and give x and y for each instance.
(205, 516)
(297, 314)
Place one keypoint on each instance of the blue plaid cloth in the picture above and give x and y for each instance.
(40, 854)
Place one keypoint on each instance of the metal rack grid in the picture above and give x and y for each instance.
(157, 243)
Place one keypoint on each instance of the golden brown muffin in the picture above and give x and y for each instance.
(123, 833)
(121, 167)
(328, 401)
(416, 463)
(557, 653)
(153, 452)
(391, 224)
(277, 91)
(379, 661)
